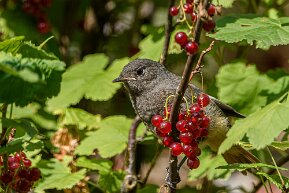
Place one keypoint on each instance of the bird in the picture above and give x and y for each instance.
(149, 84)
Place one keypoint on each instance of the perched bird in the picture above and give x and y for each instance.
(149, 84)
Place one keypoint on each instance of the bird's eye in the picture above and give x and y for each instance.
(140, 71)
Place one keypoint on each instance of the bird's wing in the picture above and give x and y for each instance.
(228, 110)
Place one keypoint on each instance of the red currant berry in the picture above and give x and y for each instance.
(186, 138)
(181, 126)
(23, 185)
(211, 10)
(23, 172)
(174, 11)
(34, 174)
(165, 127)
(189, 1)
(6, 177)
(46, 3)
(28, 7)
(192, 126)
(193, 163)
(188, 150)
(198, 152)
(192, 47)
(13, 166)
(181, 38)
(194, 16)
(188, 8)
(205, 122)
(196, 133)
(196, 120)
(161, 134)
(195, 108)
(176, 148)
(167, 141)
(26, 162)
(203, 100)
(12, 159)
(43, 27)
(156, 120)
(209, 25)
(182, 115)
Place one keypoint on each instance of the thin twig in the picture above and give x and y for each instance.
(173, 178)
(130, 180)
(182, 162)
(169, 29)
(199, 65)
(153, 163)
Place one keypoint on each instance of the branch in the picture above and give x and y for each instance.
(169, 29)
(130, 180)
(280, 162)
(3, 139)
(173, 178)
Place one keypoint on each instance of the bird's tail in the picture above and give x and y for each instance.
(238, 154)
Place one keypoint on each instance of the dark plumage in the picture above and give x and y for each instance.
(149, 84)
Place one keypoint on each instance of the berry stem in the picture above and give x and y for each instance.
(166, 106)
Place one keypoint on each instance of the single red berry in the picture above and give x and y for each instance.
(196, 133)
(191, 126)
(194, 16)
(181, 126)
(176, 148)
(13, 166)
(34, 174)
(188, 150)
(193, 163)
(181, 38)
(182, 115)
(198, 152)
(188, 8)
(192, 47)
(6, 177)
(28, 7)
(195, 108)
(156, 120)
(211, 10)
(167, 141)
(43, 27)
(46, 3)
(205, 122)
(165, 127)
(12, 159)
(204, 132)
(209, 25)
(23, 172)
(174, 11)
(23, 185)
(203, 100)
(26, 162)
(189, 1)
(186, 138)
(197, 120)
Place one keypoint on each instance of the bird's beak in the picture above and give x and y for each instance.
(122, 79)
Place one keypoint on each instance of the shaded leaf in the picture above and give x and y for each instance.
(102, 165)
(111, 182)
(268, 121)
(275, 179)
(110, 139)
(282, 145)
(262, 31)
(88, 79)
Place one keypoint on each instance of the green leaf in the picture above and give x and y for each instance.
(149, 188)
(277, 89)
(243, 167)
(208, 167)
(245, 82)
(282, 145)
(88, 79)
(275, 179)
(43, 81)
(110, 139)
(262, 31)
(102, 165)
(224, 3)
(261, 127)
(80, 118)
(57, 175)
(12, 45)
(111, 182)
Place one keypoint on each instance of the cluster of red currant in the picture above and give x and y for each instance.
(188, 11)
(192, 125)
(19, 176)
(36, 9)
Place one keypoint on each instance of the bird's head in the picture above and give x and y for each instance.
(140, 74)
